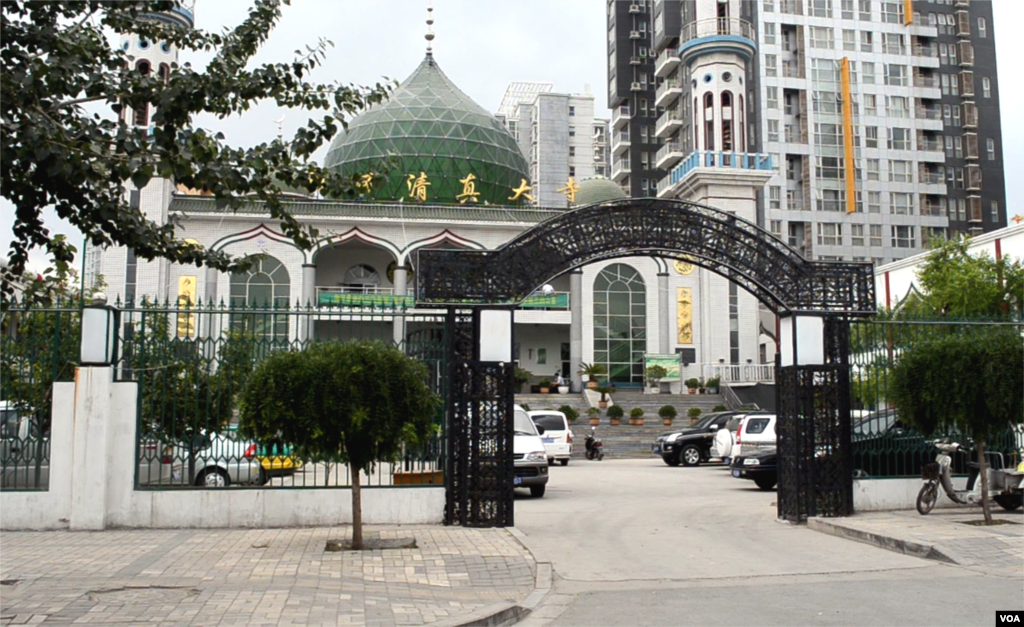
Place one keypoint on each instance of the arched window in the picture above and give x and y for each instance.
(709, 121)
(165, 72)
(620, 324)
(741, 116)
(255, 294)
(727, 122)
(361, 277)
(144, 67)
(142, 113)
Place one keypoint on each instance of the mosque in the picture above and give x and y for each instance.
(459, 179)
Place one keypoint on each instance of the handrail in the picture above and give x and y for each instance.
(717, 26)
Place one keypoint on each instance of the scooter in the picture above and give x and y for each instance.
(593, 445)
(1005, 486)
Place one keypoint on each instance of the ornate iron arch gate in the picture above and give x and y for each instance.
(815, 301)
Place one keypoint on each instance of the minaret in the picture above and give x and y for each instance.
(129, 277)
(716, 49)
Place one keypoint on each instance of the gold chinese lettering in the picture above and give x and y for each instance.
(418, 186)
(570, 189)
(468, 190)
(684, 315)
(521, 191)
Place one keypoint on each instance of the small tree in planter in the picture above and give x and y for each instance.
(570, 413)
(667, 413)
(545, 386)
(594, 415)
(636, 417)
(590, 372)
(605, 391)
(694, 413)
(713, 385)
(615, 415)
(719, 407)
(692, 384)
(654, 375)
(522, 377)
(701, 386)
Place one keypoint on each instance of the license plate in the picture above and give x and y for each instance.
(517, 481)
(735, 472)
(655, 448)
(549, 440)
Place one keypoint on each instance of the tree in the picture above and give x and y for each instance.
(58, 152)
(970, 382)
(357, 401)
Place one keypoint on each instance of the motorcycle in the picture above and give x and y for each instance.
(593, 445)
(1005, 486)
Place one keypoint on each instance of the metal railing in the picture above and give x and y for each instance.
(925, 81)
(669, 117)
(792, 69)
(669, 55)
(930, 178)
(928, 113)
(666, 150)
(717, 26)
(666, 86)
(932, 145)
(719, 159)
(740, 373)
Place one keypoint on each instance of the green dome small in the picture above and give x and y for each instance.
(597, 189)
(429, 125)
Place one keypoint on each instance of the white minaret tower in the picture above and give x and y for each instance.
(130, 278)
(716, 50)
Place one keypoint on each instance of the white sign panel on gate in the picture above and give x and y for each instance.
(496, 335)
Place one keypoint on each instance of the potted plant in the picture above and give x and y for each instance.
(667, 413)
(615, 415)
(522, 377)
(694, 414)
(545, 386)
(563, 386)
(692, 384)
(654, 376)
(590, 372)
(594, 415)
(713, 385)
(719, 407)
(701, 386)
(605, 391)
(570, 413)
(636, 417)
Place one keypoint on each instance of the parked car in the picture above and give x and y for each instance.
(761, 467)
(557, 436)
(690, 445)
(755, 433)
(725, 440)
(277, 459)
(531, 460)
(219, 461)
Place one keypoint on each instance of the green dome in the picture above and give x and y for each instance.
(428, 125)
(597, 189)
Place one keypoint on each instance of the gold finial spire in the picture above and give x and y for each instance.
(430, 32)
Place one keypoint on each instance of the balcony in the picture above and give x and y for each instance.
(635, 60)
(973, 176)
(361, 297)
(966, 54)
(620, 116)
(717, 30)
(715, 159)
(667, 62)
(925, 56)
(620, 170)
(668, 155)
(928, 113)
(667, 92)
(974, 209)
(963, 23)
(970, 115)
(620, 142)
(929, 144)
(927, 177)
(668, 123)
(792, 69)
(930, 207)
(921, 80)
(791, 7)
(966, 84)
(793, 135)
(971, 146)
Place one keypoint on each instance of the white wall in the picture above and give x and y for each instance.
(876, 495)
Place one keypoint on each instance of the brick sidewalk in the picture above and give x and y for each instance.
(260, 577)
(941, 535)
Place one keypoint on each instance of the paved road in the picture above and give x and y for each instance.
(634, 542)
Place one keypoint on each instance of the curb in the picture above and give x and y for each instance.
(914, 549)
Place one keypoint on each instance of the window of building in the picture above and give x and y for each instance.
(949, 146)
(893, 43)
(898, 138)
(895, 74)
(830, 167)
(870, 104)
(892, 11)
(902, 204)
(961, 208)
(620, 323)
(868, 73)
(572, 131)
(776, 227)
(943, 54)
(822, 37)
(952, 54)
(824, 71)
(857, 234)
(769, 32)
(867, 42)
(900, 172)
(828, 134)
(897, 106)
(643, 133)
(873, 167)
(875, 234)
(266, 286)
(994, 208)
(990, 148)
(768, 6)
(772, 97)
(959, 184)
(775, 197)
(773, 130)
(830, 234)
(956, 113)
(871, 137)
(771, 65)
(903, 236)
(986, 87)
(864, 10)
(831, 200)
(944, 84)
(572, 109)
(572, 151)
(958, 145)
(849, 39)
(982, 28)
(820, 8)
(846, 6)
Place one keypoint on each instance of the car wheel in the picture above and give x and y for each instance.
(926, 497)
(765, 482)
(690, 455)
(671, 460)
(1009, 502)
(213, 478)
(551, 461)
(537, 491)
(564, 462)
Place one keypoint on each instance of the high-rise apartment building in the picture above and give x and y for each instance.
(559, 136)
(882, 116)
(631, 96)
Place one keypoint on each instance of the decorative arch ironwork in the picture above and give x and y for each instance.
(717, 240)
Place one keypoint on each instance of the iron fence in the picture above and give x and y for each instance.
(39, 345)
(191, 363)
(883, 445)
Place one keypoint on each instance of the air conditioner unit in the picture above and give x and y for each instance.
(635, 87)
(634, 34)
(634, 8)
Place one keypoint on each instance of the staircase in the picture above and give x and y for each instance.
(625, 441)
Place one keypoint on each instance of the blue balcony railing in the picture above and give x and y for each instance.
(720, 159)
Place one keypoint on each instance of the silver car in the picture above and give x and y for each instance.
(219, 461)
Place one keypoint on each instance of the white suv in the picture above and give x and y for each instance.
(557, 437)
(756, 433)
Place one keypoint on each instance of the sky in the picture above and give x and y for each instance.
(482, 45)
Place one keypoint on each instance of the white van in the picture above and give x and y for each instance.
(557, 436)
(531, 460)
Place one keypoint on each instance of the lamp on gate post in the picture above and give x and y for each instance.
(99, 333)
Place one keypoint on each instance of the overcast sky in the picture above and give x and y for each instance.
(483, 45)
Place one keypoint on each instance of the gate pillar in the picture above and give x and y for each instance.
(813, 425)
(479, 407)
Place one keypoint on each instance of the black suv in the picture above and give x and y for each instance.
(691, 445)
